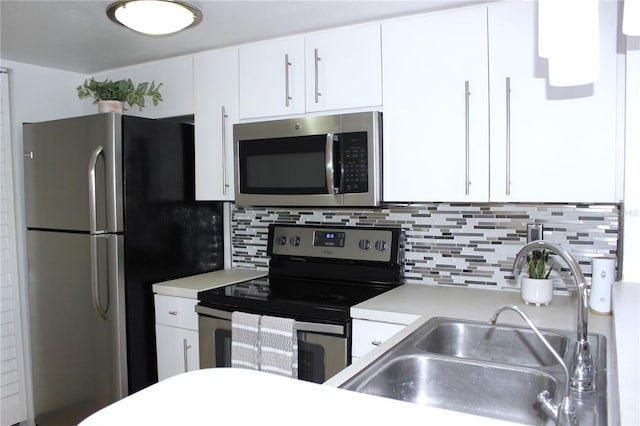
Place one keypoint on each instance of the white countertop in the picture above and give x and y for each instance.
(190, 286)
(626, 318)
(238, 397)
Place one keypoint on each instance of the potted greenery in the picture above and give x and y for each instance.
(537, 288)
(111, 95)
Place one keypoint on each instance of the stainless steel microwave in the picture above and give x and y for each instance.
(331, 160)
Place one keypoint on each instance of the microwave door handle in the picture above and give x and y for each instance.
(330, 169)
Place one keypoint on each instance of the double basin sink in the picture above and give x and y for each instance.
(492, 371)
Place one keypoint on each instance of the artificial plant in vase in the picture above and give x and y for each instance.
(537, 288)
(120, 91)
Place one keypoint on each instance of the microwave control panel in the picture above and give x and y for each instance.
(354, 162)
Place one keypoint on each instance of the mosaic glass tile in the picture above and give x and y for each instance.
(470, 245)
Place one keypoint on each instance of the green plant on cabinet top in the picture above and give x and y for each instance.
(121, 90)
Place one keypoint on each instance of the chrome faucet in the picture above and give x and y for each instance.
(582, 374)
(563, 413)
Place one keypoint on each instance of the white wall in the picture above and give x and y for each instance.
(36, 94)
(631, 249)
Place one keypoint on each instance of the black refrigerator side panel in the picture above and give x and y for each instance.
(168, 235)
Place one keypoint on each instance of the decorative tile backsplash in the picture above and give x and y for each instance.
(470, 245)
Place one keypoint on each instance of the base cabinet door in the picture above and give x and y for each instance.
(177, 344)
(177, 351)
(368, 335)
(436, 145)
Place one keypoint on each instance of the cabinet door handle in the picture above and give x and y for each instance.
(173, 312)
(466, 137)
(225, 184)
(185, 347)
(287, 64)
(376, 342)
(317, 59)
(508, 137)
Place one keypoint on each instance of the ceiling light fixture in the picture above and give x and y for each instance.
(154, 17)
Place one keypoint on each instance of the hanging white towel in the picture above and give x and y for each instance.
(245, 344)
(279, 346)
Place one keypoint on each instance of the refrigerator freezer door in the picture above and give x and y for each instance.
(78, 358)
(57, 169)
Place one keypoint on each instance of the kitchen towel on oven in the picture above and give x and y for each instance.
(279, 346)
(245, 329)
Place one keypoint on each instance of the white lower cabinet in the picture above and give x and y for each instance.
(176, 335)
(368, 335)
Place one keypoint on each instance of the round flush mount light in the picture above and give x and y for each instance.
(154, 17)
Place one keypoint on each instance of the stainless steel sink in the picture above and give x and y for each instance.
(500, 392)
(491, 343)
(491, 371)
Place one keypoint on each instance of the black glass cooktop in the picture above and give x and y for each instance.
(291, 297)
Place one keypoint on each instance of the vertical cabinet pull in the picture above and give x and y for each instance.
(508, 137)
(466, 137)
(317, 60)
(287, 65)
(185, 347)
(225, 184)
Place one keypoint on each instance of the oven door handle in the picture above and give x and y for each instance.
(310, 327)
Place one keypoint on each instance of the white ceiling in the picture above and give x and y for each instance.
(78, 36)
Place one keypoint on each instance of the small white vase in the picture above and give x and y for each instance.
(538, 292)
(111, 106)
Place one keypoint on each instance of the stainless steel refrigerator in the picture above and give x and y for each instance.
(110, 210)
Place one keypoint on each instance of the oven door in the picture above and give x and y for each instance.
(323, 349)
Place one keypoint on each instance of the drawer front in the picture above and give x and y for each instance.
(176, 311)
(368, 335)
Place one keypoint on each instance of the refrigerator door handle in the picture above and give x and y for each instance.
(94, 235)
(93, 216)
(95, 282)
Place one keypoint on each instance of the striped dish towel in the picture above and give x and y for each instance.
(279, 346)
(245, 330)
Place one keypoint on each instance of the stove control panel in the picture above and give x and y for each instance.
(353, 243)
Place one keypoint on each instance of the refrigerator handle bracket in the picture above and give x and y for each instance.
(95, 234)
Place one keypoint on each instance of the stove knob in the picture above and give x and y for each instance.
(381, 245)
(294, 241)
(364, 244)
(282, 240)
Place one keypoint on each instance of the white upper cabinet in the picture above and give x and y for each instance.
(548, 143)
(272, 78)
(177, 88)
(539, 144)
(436, 145)
(216, 110)
(343, 68)
(328, 70)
